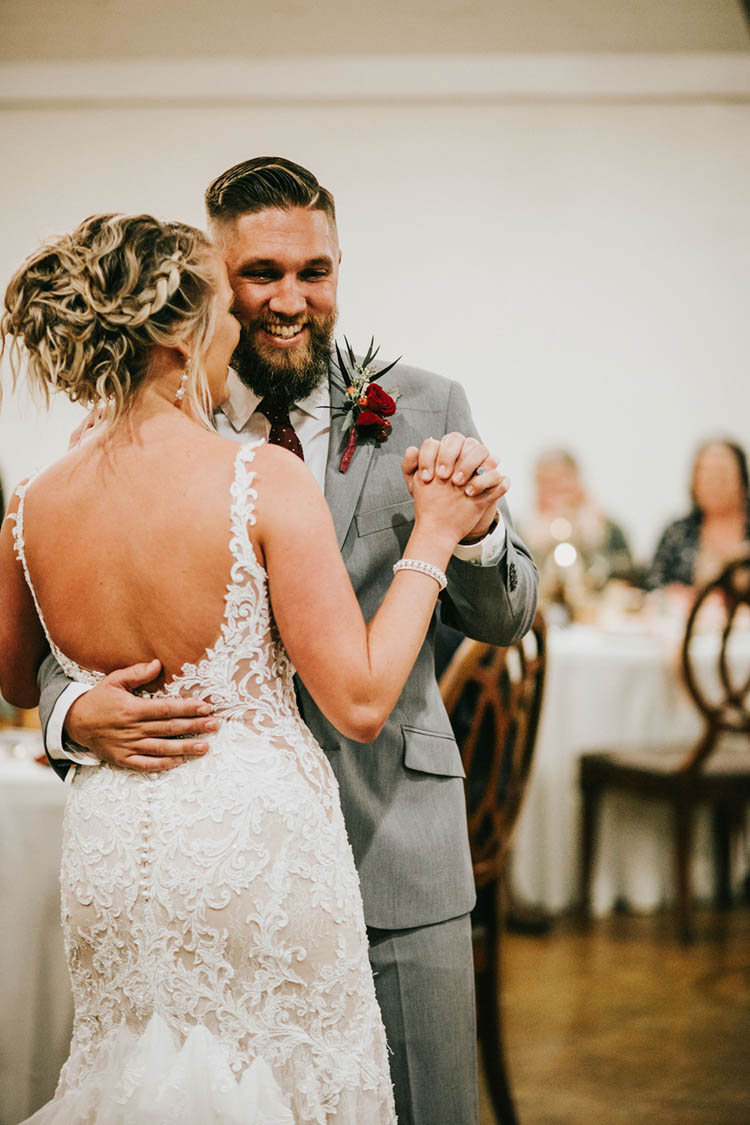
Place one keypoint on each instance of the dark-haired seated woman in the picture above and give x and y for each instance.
(693, 550)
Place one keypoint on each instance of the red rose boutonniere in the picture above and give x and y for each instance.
(368, 407)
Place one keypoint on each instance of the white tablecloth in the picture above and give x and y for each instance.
(36, 1006)
(603, 689)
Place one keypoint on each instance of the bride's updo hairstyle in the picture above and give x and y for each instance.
(88, 308)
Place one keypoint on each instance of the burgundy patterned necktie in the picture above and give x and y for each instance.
(282, 430)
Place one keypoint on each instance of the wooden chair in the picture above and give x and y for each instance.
(715, 770)
(493, 697)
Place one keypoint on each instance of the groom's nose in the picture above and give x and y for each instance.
(287, 298)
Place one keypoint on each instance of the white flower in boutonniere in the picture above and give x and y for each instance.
(367, 407)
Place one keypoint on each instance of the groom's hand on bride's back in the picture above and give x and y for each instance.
(132, 732)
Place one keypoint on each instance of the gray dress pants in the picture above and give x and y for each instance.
(424, 980)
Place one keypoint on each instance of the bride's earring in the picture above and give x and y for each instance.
(183, 384)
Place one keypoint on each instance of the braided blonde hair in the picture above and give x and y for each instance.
(87, 309)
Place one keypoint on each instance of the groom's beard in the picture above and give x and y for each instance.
(286, 375)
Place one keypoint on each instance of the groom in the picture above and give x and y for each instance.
(402, 796)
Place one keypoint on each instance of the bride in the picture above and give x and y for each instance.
(212, 914)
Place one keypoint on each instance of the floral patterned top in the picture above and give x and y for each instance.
(677, 552)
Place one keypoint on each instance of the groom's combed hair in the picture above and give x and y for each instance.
(263, 183)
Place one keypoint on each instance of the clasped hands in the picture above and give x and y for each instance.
(465, 461)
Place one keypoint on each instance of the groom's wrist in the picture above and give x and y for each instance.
(488, 550)
(472, 540)
(58, 743)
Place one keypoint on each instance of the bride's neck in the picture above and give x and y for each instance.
(164, 384)
(159, 399)
(156, 406)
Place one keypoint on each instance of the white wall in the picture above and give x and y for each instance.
(581, 263)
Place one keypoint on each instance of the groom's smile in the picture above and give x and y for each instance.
(289, 333)
(277, 333)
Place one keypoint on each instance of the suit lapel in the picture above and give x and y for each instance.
(343, 490)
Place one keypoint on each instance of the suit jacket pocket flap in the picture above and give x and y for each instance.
(378, 519)
(429, 752)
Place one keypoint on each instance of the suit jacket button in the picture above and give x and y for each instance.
(512, 577)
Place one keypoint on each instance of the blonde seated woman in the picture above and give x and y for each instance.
(212, 913)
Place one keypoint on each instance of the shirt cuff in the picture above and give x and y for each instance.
(58, 745)
(487, 551)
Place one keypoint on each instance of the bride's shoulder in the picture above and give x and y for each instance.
(50, 478)
(275, 472)
(282, 480)
(263, 457)
(275, 459)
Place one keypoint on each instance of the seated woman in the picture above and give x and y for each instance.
(565, 513)
(692, 550)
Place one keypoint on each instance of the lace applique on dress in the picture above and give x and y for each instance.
(212, 913)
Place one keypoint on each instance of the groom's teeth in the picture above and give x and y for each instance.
(284, 330)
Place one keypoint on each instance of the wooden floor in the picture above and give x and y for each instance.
(619, 1023)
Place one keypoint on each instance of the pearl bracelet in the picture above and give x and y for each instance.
(422, 568)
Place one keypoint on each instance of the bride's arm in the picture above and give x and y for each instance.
(23, 645)
(354, 672)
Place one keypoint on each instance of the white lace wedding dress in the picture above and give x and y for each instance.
(212, 913)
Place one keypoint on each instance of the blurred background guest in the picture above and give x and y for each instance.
(692, 550)
(576, 546)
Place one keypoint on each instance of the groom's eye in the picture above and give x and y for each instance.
(261, 271)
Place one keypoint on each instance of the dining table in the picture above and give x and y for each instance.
(611, 685)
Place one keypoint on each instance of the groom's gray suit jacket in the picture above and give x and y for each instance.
(402, 796)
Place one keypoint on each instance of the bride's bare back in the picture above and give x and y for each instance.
(127, 544)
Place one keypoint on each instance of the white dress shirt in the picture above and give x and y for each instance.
(239, 418)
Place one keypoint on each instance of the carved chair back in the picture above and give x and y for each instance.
(493, 697)
(721, 688)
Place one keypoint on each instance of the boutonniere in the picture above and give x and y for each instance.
(367, 406)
